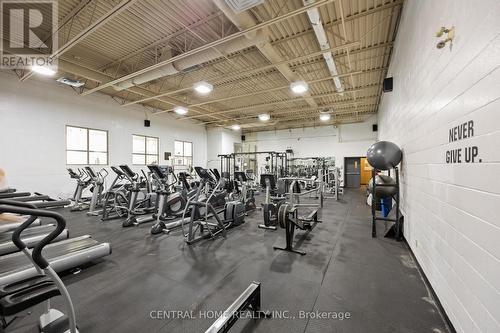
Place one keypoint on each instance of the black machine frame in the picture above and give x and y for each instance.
(396, 229)
(250, 299)
(228, 162)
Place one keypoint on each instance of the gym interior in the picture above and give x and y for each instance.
(250, 166)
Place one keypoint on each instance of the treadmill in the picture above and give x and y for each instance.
(63, 255)
(8, 225)
(30, 236)
(41, 200)
(10, 222)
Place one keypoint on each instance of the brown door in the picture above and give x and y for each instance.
(366, 171)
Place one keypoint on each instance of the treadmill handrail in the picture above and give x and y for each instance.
(37, 251)
(16, 235)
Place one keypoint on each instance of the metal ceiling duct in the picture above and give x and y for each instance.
(242, 5)
(180, 65)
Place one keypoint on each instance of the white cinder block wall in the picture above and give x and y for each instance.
(451, 209)
(349, 140)
(220, 141)
(33, 116)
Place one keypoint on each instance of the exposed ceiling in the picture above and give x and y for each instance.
(151, 52)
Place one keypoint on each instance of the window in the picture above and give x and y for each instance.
(183, 153)
(86, 146)
(144, 150)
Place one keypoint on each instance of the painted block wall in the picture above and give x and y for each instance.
(32, 132)
(450, 205)
(349, 140)
(220, 141)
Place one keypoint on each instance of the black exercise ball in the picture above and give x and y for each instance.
(383, 191)
(384, 155)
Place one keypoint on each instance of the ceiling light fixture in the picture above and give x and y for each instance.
(236, 127)
(70, 82)
(43, 70)
(324, 116)
(180, 110)
(299, 87)
(264, 117)
(203, 87)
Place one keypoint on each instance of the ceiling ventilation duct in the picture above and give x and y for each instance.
(193, 61)
(241, 5)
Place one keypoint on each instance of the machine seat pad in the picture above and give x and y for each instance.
(311, 217)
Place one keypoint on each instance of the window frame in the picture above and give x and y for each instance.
(184, 156)
(88, 151)
(146, 148)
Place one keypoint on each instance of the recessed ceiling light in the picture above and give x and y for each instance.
(203, 87)
(264, 117)
(299, 87)
(236, 127)
(180, 110)
(43, 70)
(324, 116)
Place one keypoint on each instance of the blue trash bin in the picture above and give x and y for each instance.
(386, 205)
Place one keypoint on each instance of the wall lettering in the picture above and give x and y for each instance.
(468, 154)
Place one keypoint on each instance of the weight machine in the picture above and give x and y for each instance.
(276, 163)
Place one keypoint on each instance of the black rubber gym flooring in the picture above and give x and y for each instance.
(362, 284)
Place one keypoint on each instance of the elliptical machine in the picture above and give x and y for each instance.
(245, 194)
(97, 180)
(78, 202)
(137, 206)
(218, 197)
(170, 204)
(200, 224)
(20, 296)
(112, 207)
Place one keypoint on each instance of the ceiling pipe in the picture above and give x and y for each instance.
(319, 32)
(196, 59)
(244, 20)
